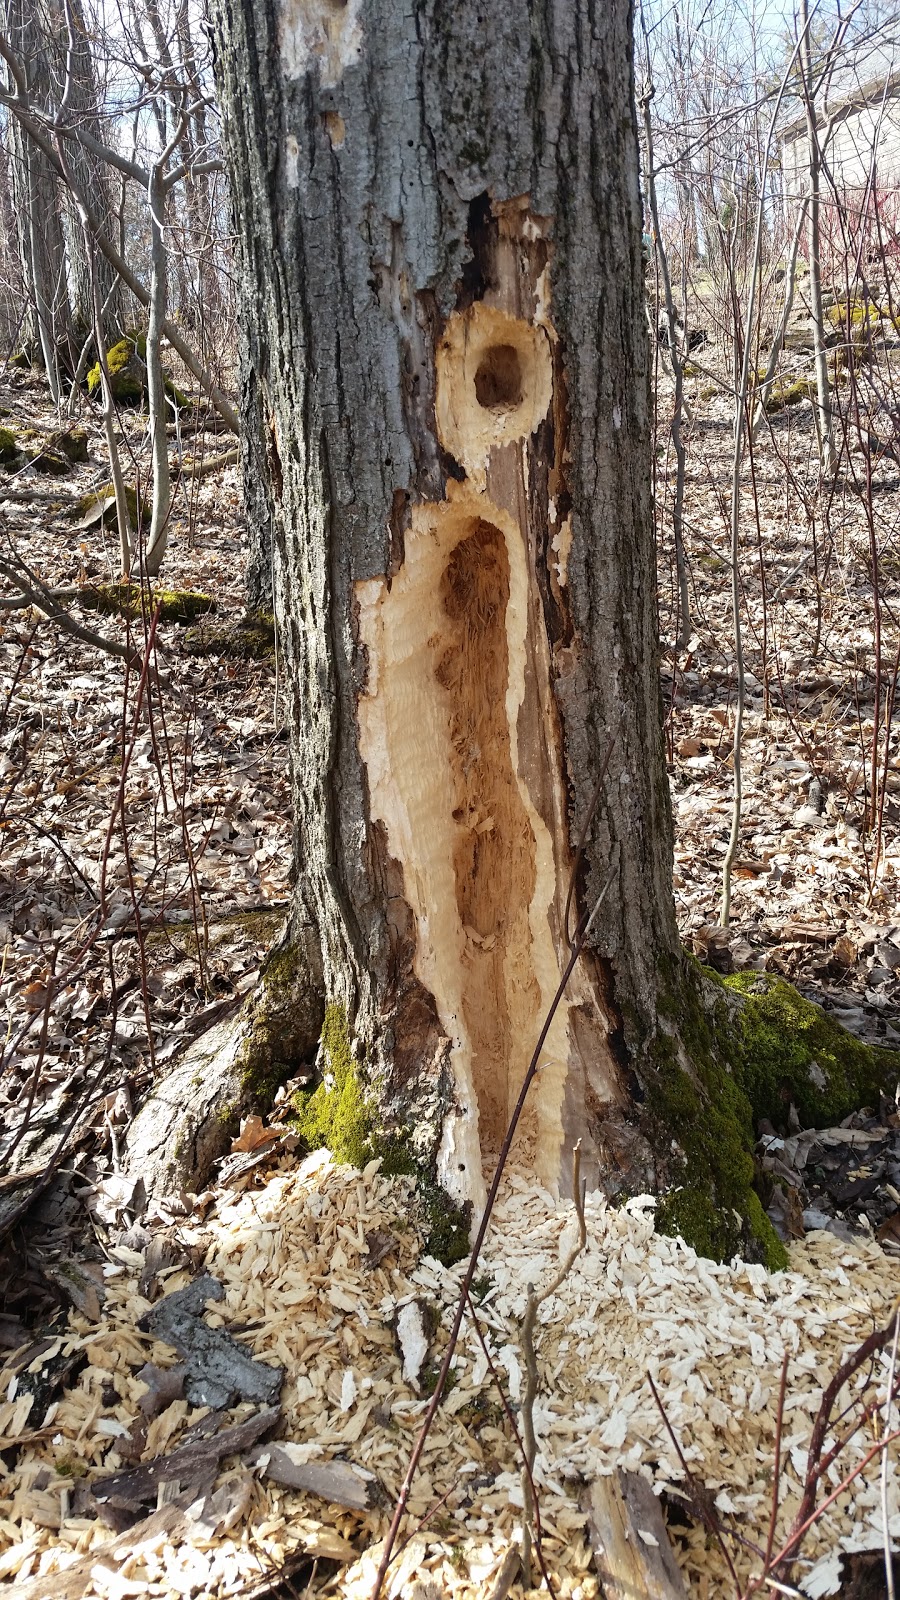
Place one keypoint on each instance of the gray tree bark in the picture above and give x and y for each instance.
(53, 48)
(47, 324)
(440, 251)
(79, 90)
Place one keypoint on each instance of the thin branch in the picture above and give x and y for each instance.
(535, 1301)
(34, 593)
(428, 1420)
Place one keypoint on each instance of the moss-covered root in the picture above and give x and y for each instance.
(251, 638)
(793, 1052)
(9, 450)
(339, 1115)
(756, 1048)
(126, 600)
(335, 1115)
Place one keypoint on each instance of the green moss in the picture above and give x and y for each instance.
(338, 1115)
(9, 450)
(858, 315)
(751, 1057)
(181, 399)
(789, 392)
(252, 638)
(428, 1378)
(125, 600)
(335, 1114)
(705, 1119)
(275, 1045)
(447, 1225)
(71, 443)
(792, 1052)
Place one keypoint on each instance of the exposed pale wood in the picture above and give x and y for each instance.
(620, 1509)
(335, 1481)
(507, 1575)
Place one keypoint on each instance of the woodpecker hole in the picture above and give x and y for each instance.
(498, 380)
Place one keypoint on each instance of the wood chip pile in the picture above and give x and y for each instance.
(323, 1277)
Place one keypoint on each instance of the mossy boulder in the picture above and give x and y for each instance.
(789, 392)
(127, 363)
(127, 371)
(9, 450)
(855, 323)
(100, 507)
(251, 638)
(51, 463)
(128, 600)
(791, 1052)
(72, 443)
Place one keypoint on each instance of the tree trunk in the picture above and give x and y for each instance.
(82, 108)
(823, 409)
(47, 323)
(440, 250)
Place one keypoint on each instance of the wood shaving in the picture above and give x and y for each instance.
(294, 1258)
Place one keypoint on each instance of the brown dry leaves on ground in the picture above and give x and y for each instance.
(814, 898)
(143, 853)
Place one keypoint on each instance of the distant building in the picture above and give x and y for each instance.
(860, 103)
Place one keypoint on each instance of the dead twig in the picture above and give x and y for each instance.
(535, 1301)
(577, 945)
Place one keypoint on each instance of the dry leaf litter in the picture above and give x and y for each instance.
(293, 1256)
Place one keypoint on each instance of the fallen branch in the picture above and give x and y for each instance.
(200, 469)
(32, 592)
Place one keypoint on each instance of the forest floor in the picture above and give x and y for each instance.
(144, 853)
